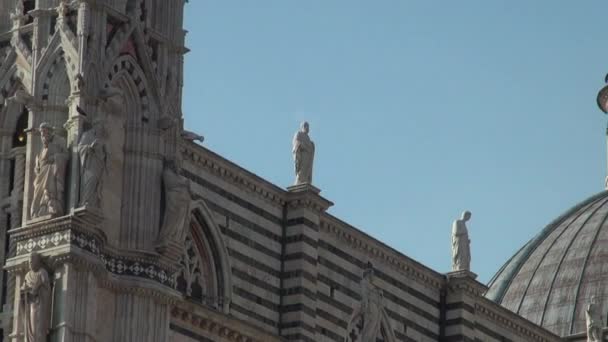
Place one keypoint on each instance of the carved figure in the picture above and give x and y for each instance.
(49, 181)
(304, 154)
(369, 317)
(461, 244)
(36, 301)
(594, 321)
(93, 158)
(177, 205)
(18, 14)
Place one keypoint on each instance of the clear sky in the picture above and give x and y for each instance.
(419, 110)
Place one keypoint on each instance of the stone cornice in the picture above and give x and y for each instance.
(465, 281)
(379, 251)
(503, 317)
(213, 323)
(307, 196)
(232, 173)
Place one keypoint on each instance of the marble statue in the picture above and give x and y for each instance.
(177, 205)
(36, 301)
(304, 154)
(49, 172)
(371, 306)
(369, 317)
(93, 158)
(594, 321)
(461, 244)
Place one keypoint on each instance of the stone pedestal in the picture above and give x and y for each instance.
(299, 274)
(461, 295)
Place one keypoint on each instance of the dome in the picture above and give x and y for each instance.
(552, 278)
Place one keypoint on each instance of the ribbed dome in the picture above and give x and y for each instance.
(551, 279)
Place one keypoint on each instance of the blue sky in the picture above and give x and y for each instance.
(419, 109)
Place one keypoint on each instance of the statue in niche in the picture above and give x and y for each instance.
(594, 321)
(49, 181)
(93, 159)
(177, 205)
(304, 154)
(369, 320)
(36, 301)
(461, 244)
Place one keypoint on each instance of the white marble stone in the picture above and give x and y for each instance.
(36, 301)
(50, 168)
(461, 244)
(303, 153)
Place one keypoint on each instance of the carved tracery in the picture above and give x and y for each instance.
(202, 277)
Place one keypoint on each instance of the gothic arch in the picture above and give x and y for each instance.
(127, 67)
(58, 73)
(214, 269)
(9, 114)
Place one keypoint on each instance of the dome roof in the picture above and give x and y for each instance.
(551, 279)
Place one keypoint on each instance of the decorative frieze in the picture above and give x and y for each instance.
(531, 332)
(232, 174)
(223, 327)
(351, 236)
(64, 234)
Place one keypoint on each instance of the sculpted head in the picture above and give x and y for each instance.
(466, 215)
(35, 261)
(46, 133)
(305, 127)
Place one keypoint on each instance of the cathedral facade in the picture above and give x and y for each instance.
(117, 226)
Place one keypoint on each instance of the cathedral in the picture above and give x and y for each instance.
(117, 226)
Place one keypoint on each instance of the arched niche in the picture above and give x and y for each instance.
(127, 68)
(205, 277)
(55, 88)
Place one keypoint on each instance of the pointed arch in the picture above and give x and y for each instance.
(10, 111)
(127, 67)
(56, 85)
(215, 269)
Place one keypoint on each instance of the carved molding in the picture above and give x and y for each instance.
(376, 251)
(214, 164)
(465, 281)
(218, 326)
(513, 322)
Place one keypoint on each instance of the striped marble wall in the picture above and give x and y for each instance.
(296, 270)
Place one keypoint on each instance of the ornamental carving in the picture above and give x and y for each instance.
(189, 279)
(369, 321)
